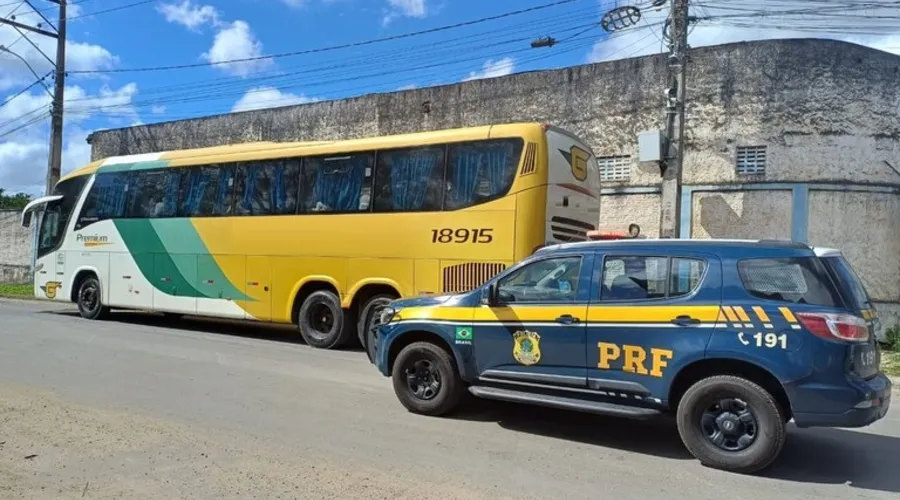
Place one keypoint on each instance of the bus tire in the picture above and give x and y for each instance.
(426, 380)
(323, 323)
(731, 423)
(368, 313)
(90, 300)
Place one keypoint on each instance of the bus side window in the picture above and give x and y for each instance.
(339, 184)
(153, 193)
(480, 171)
(409, 180)
(106, 198)
(268, 187)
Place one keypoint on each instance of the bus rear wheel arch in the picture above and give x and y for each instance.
(87, 294)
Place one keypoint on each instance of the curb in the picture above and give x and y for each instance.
(29, 298)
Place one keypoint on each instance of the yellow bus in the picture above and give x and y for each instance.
(315, 234)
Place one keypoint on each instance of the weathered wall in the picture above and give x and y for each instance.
(15, 251)
(827, 110)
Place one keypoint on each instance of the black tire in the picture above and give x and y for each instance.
(764, 428)
(323, 323)
(440, 400)
(368, 313)
(90, 299)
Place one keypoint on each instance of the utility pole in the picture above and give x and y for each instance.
(54, 163)
(56, 107)
(670, 213)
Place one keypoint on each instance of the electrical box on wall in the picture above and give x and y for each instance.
(650, 145)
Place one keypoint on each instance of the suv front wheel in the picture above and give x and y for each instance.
(731, 423)
(426, 380)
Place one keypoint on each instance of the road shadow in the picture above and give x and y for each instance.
(657, 437)
(816, 456)
(213, 326)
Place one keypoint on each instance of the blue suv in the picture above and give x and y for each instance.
(735, 338)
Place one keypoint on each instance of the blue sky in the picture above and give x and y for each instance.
(196, 32)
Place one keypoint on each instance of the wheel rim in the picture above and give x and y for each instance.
(730, 425)
(88, 297)
(423, 379)
(321, 318)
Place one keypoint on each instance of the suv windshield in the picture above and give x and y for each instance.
(848, 281)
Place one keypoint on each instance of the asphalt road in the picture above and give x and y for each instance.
(142, 407)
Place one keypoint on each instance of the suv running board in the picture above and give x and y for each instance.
(600, 408)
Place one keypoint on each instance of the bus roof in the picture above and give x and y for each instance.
(270, 149)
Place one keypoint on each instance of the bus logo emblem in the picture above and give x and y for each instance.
(578, 161)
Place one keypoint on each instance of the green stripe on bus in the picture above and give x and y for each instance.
(154, 261)
(180, 237)
(134, 166)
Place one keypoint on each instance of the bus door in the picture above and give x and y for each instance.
(49, 266)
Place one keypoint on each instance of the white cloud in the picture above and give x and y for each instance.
(23, 162)
(819, 19)
(404, 8)
(189, 15)
(493, 69)
(78, 105)
(237, 41)
(268, 97)
(158, 109)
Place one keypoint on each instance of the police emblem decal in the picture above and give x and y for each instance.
(527, 347)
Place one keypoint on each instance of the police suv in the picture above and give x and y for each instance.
(735, 338)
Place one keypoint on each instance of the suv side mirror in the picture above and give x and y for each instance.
(489, 297)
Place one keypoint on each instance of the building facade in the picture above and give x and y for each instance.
(784, 139)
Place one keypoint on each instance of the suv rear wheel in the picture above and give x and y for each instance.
(731, 423)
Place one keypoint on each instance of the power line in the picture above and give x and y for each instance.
(333, 47)
(26, 89)
(111, 9)
(469, 43)
(22, 127)
(287, 87)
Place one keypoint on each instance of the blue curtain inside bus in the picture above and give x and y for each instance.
(338, 185)
(111, 191)
(197, 182)
(467, 171)
(410, 177)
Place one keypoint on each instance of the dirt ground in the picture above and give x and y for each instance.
(50, 449)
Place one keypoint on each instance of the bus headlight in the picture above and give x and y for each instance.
(387, 314)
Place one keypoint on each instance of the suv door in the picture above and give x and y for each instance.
(535, 333)
(650, 314)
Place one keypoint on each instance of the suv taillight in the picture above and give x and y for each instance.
(835, 326)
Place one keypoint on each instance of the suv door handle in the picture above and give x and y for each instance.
(567, 319)
(685, 320)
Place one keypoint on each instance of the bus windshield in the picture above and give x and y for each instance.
(57, 214)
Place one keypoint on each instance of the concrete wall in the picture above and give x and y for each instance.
(15, 252)
(826, 111)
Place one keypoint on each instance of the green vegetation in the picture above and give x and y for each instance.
(16, 290)
(13, 202)
(890, 355)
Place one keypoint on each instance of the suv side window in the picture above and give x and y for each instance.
(549, 280)
(800, 280)
(630, 278)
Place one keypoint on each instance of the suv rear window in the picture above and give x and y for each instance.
(801, 280)
(847, 279)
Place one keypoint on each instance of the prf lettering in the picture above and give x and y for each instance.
(633, 358)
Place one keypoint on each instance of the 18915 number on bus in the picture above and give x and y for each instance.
(462, 235)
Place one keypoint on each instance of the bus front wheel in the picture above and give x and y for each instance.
(323, 322)
(89, 299)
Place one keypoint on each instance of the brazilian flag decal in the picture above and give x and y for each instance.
(463, 334)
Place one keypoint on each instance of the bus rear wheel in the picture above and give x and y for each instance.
(89, 299)
(323, 323)
(367, 317)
